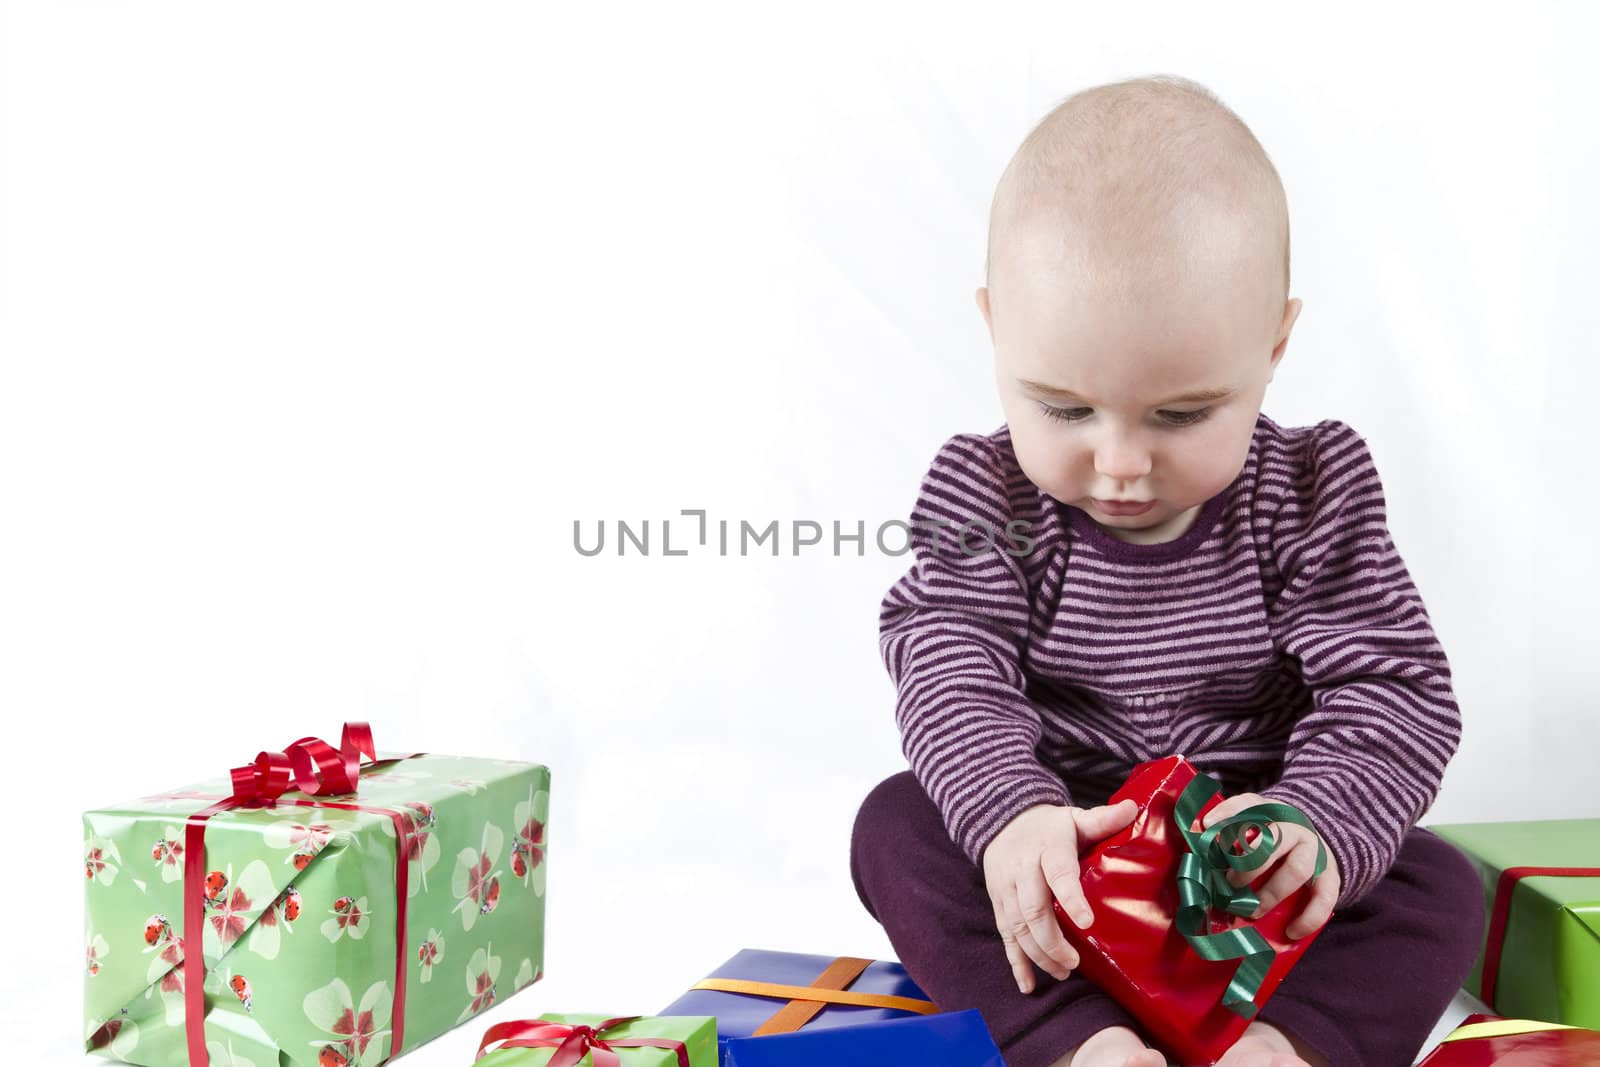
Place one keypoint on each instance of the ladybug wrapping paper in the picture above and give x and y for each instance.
(1490, 1041)
(1136, 949)
(300, 906)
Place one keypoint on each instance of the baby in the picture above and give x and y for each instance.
(1138, 564)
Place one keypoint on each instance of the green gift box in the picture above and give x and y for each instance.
(587, 1041)
(1541, 883)
(299, 899)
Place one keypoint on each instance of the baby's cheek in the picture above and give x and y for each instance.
(1048, 467)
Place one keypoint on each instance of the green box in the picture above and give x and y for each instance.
(697, 1032)
(1550, 957)
(300, 933)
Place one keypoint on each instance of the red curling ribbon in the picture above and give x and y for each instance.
(572, 1041)
(312, 766)
(1500, 917)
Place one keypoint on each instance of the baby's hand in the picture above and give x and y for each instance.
(1031, 863)
(1295, 857)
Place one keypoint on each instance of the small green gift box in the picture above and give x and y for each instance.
(600, 1041)
(314, 910)
(1541, 887)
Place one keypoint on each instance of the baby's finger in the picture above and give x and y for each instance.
(1107, 819)
(1292, 873)
(1060, 869)
(1021, 969)
(1037, 957)
(1041, 935)
(1229, 807)
(1225, 807)
(1319, 907)
(1218, 813)
(1285, 839)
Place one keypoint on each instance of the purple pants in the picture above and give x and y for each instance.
(1367, 994)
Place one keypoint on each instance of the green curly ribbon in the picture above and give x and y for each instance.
(1203, 884)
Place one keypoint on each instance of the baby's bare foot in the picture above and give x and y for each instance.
(1263, 1045)
(1115, 1046)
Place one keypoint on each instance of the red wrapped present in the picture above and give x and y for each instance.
(1169, 940)
(1485, 1040)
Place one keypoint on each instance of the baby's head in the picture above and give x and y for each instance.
(1138, 253)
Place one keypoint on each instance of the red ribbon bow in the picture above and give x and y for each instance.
(310, 765)
(573, 1040)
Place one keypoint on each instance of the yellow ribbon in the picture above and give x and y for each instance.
(1502, 1028)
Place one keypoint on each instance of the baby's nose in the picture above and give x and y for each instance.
(1123, 465)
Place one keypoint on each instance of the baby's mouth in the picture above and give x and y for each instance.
(1124, 507)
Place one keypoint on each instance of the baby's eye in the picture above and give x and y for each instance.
(1065, 414)
(1173, 418)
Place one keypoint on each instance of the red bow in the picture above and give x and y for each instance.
(310, 765)
(573, 1040)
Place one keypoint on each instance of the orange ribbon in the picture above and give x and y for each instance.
(830, 987)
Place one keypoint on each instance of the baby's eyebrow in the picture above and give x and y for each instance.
(1067, 395)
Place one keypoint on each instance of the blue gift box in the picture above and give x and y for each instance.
(949, 1039)
(836, 1033)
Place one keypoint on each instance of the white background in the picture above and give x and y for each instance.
(323, 324)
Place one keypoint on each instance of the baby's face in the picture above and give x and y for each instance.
(1102, 390)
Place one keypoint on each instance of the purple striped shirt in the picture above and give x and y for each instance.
(1279, 644)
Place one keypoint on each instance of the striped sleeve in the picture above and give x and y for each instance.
(952, 632)
(1365, 762)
